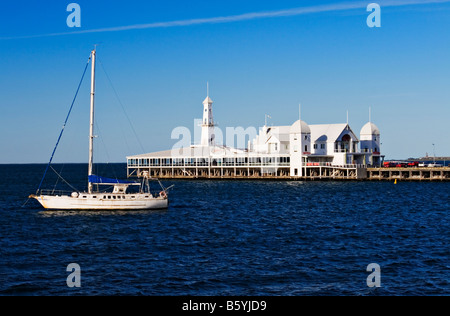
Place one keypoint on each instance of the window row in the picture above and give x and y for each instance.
(207, 161)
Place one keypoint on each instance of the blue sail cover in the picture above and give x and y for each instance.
(102, 180)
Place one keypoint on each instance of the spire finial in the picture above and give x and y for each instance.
(300, 112)
(207, 88)
(348, 127)
(370, 114)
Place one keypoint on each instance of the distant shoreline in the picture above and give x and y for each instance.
(430, 159)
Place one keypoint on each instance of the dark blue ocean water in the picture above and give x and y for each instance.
(230, 238)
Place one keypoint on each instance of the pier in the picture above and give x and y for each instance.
(409, 174)
(278, 170)
(298, 151)
(246, 170)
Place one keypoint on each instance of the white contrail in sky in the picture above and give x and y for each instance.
(246, 17)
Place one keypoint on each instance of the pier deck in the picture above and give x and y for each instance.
(281, 172)
(409, 174)
(320, 172)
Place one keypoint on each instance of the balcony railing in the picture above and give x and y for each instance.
(329, 164)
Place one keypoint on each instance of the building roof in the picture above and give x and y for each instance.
(280, 132)
(329, 132)
(295, 128)
(370, 129)
(208, 100)
(158, 154)
(193, 151)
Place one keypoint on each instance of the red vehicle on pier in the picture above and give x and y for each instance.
(398, 164)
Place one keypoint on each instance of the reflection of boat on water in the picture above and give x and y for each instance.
(122, 197)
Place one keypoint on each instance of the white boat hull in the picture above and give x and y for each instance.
(102, 201)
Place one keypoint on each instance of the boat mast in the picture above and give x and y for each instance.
(91, 125)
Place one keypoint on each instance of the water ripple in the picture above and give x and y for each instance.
(232, 238)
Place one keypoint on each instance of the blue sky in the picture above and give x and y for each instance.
(330, 61)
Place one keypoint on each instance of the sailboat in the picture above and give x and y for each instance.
(121, 197)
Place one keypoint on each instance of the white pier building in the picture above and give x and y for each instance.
(325, 151)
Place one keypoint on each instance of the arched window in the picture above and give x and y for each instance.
(346, 138)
